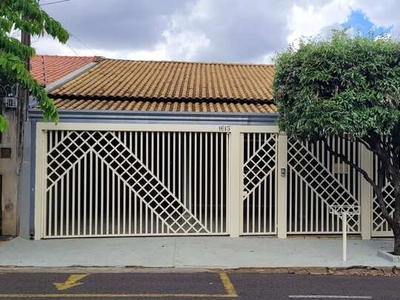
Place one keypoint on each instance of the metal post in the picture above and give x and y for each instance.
(344, 224)
(282, 186)
(236, 182)
(366, 163)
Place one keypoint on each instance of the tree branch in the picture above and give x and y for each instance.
(377, 147)
(376, 187)
(350, 163)
(365, 143)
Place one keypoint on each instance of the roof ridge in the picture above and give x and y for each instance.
(55, 55)
(190, 62)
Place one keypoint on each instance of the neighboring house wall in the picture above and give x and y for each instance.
(8, 167)
(49, 71)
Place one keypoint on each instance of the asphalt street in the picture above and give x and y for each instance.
(195, 285)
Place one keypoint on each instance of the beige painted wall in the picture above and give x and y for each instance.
(10, 179)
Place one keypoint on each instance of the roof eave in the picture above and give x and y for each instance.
(162, 117)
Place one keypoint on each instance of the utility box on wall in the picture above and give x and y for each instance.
(10, 102)
(5, 152)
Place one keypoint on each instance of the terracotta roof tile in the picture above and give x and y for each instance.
(123, 79)
(171, 106)
(47, 69)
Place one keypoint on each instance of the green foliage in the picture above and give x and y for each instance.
(27, 16)
(342, 85)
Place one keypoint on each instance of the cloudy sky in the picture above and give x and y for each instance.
(249, 31)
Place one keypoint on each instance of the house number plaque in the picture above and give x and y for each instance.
(224, 128)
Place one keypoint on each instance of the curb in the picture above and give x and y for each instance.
(345, 271)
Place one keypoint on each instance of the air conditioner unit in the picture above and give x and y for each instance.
(10, 102)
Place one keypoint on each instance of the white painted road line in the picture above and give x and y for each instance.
(328, 297)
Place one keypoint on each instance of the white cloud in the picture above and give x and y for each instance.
(206, 30)
(159, 53)
(47, 45)
(184, 45)
(312, 19)
(228, 31)
(268, 58)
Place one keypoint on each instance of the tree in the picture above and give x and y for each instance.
(28, 17)
(348, 87)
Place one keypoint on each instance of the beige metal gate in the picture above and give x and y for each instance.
(134, 183)
(259, 183)
(147, 180)
(319, 181)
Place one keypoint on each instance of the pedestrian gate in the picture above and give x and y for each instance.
(259, 183)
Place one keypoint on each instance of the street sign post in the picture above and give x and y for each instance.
(345, 211)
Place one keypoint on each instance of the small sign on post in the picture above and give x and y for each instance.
(345, 211)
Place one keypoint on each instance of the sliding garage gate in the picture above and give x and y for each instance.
(134, 183)
(318, 182)
(177, 181)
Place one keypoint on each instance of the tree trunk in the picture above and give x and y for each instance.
(396, 214)
(396, 248)
(396, 217)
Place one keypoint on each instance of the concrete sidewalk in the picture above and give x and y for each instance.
(193, 252)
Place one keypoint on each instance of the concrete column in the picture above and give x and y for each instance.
(282, 146)
(366, 163)
(8, 171)
(235, 181)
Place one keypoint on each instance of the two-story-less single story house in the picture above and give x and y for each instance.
(178, 148)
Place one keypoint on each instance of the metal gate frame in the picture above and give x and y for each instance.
(41, 157)
(234, 207)
(236, 177)
(365, 196)
(258, 210)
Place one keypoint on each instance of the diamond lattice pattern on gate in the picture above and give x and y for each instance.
(259, 184)
(320, 180)
(379, 225)
(259, 166)
(74, 145)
